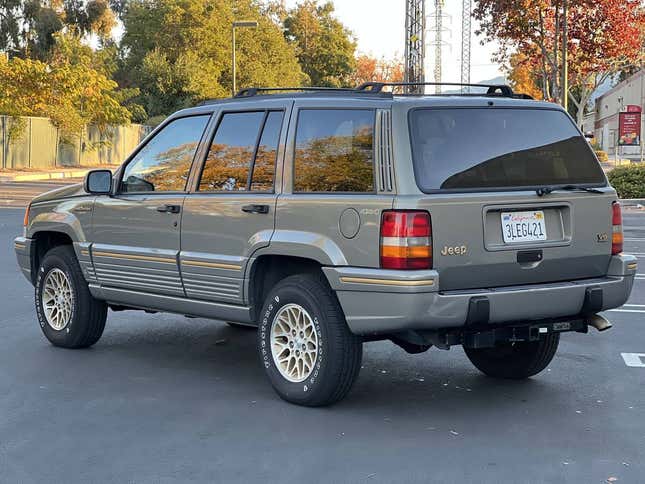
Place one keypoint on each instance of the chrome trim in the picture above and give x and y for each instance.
(214, 265)
(386, 282)
(383, 150)
(113, 255)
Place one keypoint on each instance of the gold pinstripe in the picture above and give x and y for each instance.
(386, 282)
(214, 265)
(114, 255)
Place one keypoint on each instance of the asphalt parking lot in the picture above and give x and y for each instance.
(163, 398)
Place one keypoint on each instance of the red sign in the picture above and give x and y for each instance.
(629, 126)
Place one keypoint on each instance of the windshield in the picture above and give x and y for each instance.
(498, 148)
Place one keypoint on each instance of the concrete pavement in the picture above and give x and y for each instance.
(163, 398)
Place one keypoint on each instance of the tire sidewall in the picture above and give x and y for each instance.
(306, 390)
(63, 336)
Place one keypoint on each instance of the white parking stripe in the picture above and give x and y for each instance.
(634, 306)
(634, 360)
(640, 311)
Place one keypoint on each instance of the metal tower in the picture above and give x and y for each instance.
(466, 29)
(438, 30)
(415, 34)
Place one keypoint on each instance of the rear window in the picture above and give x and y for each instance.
(497, 148)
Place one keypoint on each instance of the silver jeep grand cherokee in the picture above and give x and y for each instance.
(328, 218)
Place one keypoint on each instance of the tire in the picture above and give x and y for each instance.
(515, 361)
(82, 322)
(335, 362)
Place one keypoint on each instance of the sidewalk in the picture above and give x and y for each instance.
(53, 174)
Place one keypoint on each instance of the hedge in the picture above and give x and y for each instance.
(629, 181)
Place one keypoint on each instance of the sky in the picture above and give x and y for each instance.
(379, 28)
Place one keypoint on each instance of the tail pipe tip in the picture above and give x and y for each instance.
(599, 322)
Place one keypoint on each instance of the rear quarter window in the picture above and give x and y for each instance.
(499, 148)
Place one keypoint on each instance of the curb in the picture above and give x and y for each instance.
(44, 176)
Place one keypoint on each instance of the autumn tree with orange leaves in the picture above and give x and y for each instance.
(369, 68)
(605, 36)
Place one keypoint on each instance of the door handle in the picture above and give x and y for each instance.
(169, 208)
(255, 208)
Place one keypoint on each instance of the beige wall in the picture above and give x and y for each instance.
(39, 145)
(630, 91)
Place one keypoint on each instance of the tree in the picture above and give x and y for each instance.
(605, 36)
(28, 27)
(521, 74)
(369, 68)
(69, 89)
(324, 46)
(178, 52)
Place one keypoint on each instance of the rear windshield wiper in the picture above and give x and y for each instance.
(569, 188)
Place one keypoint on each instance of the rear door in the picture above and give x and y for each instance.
(136, 231)
(483, 171)
(231, 211)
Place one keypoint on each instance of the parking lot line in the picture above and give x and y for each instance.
(634, 360)
(641, 311)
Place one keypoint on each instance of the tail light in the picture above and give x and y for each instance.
(406, 240)
(617, 229)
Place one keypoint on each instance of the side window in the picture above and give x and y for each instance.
(264, 166)
(163, 164)
(334, 151)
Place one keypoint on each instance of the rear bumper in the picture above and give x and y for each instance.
(383, 301)
(22, 246)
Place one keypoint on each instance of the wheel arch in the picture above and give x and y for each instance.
(44, 241)
(266, 270)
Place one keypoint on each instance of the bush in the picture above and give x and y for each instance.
(629, 181)
(603, 157)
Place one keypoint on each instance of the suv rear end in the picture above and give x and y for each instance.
(523, 229)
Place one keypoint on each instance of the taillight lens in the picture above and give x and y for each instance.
(617, 229)
(406, 240)
(25, 221)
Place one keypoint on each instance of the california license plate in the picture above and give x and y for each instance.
(523, 226)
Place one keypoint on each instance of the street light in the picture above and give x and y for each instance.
(239, 24)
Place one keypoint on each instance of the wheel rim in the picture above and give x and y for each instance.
(294, 343)
(57, 299)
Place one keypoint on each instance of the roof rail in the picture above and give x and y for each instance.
(493, 89)
(254, 91)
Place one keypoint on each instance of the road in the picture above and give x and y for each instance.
(163, 398)
(18, 194)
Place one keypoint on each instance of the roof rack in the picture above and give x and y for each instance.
(254, 91)
(376, 88)
(492, 89)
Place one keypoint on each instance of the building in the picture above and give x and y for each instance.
(605, 118)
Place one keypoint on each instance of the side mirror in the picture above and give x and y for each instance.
(98, 182)
(589, 135)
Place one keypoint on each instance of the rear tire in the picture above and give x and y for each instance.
(68, 314)
(515, 361)
(308, 352)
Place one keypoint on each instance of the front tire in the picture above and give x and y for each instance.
(515, 361)
(68, 314)
(308, 352)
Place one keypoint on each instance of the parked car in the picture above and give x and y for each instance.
(328, 218)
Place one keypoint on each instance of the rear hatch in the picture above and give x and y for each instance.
(504, 187)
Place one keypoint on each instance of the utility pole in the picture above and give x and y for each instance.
(565, 56)
(238, 24)
(415, 35)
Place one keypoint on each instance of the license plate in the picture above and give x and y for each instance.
(523, 226)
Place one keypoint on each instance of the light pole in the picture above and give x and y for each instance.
(238, 24)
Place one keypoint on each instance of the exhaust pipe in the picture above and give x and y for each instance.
(599, 322)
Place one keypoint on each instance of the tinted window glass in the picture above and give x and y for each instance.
(164, 162)
(334, 151)
(499, 148)
(264, 166)
(231, 153)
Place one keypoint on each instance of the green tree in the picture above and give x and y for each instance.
(178, 52)
(325, 47)
(72, 89)
(28, 27)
